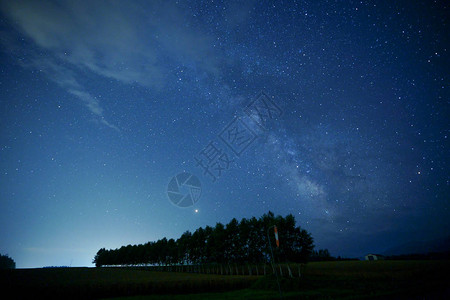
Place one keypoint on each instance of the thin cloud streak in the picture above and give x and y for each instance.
(81, 36)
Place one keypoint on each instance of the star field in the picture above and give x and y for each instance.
(102, 103)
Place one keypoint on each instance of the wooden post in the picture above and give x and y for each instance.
(290, 272)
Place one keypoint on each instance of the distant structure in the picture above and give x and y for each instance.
(374, 257)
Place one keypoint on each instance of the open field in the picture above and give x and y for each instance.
(83, 283)
(319, 280)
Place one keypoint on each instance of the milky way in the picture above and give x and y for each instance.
(102, 103)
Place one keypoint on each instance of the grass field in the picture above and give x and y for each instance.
(319, 280)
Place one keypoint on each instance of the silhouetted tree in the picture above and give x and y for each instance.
(236, 242)
(233, 242)
(100, 258)
(184, 249)
(7, 262)
(321, 255)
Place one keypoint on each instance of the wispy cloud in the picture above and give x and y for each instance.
(119, 40)
(65, 78)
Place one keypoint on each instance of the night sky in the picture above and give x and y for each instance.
(102, 103)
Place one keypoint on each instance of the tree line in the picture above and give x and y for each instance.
(7, 262)
(324, 255)
(245, 241)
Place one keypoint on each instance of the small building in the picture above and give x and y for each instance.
(374, 257)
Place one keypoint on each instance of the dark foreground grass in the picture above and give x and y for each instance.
(94, 283)
(347, 280)
(322, 280)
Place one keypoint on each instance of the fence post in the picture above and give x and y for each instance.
(290, 272)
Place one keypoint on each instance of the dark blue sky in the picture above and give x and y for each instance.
(102, 103)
